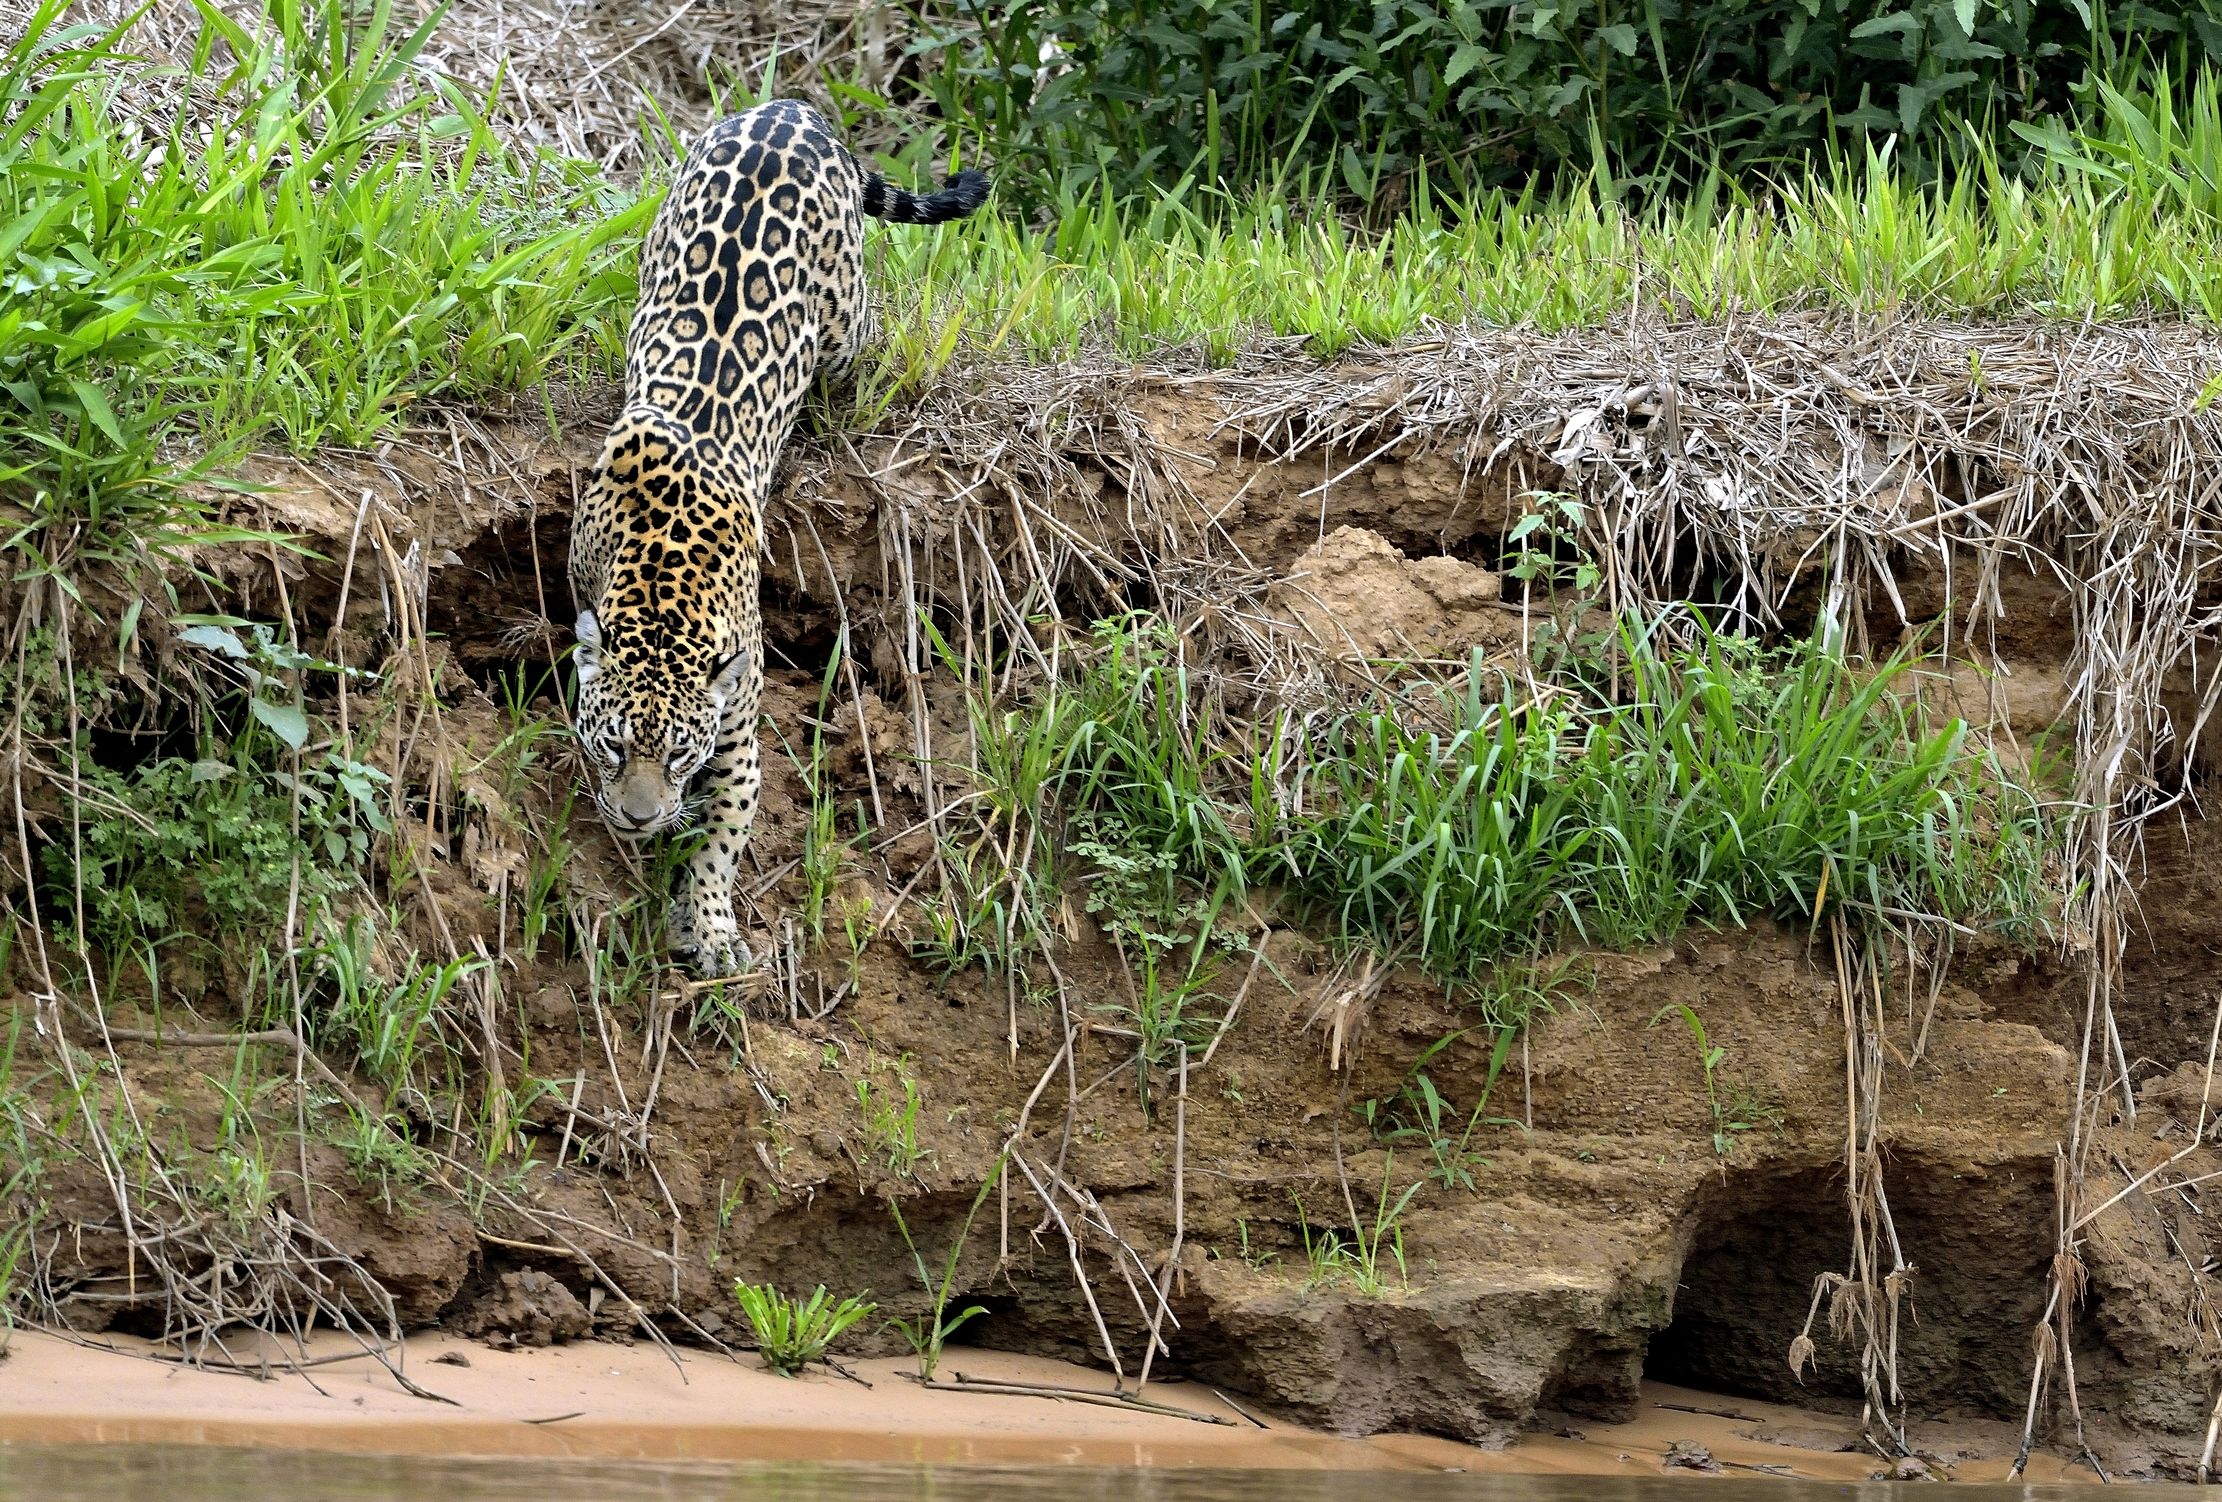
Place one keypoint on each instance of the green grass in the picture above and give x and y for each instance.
(20, 1170)
(890, 1113)
(1370, 1254)
(1468, 825)
(930, 1331)
(344, 243)
(2118, 220)
(354, 240)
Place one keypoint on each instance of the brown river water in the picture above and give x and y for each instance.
(127, 1473)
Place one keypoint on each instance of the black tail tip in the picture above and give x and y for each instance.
(968, 189)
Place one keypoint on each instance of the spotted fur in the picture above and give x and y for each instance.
(751, 287)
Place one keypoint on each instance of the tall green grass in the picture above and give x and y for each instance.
(343, 239)
(2110, 229)
(1469, 825)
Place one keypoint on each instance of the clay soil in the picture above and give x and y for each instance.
(1606, 1237)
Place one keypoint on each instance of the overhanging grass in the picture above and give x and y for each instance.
(335, 244)
(1726, 782)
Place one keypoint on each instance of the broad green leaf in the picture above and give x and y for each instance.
(286, 721)
(1899, 21)
(214, 639)
(1463, 61)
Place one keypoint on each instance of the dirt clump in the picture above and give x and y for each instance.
(526, 1307)
(1354, 596)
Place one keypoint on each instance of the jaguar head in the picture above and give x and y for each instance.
(646, 726)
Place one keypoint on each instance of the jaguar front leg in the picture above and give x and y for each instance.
(704, 929)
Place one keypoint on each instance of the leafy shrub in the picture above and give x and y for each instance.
(1353, 95)
(225, 842)
(209, 845)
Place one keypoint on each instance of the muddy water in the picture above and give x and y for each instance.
(200, 1474)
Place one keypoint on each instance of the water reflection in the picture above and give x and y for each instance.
(130, 1473)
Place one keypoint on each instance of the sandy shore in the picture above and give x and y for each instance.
(594, 1400)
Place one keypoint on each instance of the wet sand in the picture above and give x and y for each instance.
(602, 1401)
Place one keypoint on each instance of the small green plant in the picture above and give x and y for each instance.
(12, 1243)
(1750, 1109)
(377, 1153)
(986, 914)
(1420, 1113)
(930, 1331)
(1709, 1055)
(226, 844)
(503, 1121)
(994, 904)
(828, 856)
(891, 1118)
(233, 1179)
(1172, 942)
(1256, 1258)
(790, 1333)
(1365, 1258)
(20, 1170)
(1545, 546)
(399, 1031)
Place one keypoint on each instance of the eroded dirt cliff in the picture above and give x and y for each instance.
(1622, 1206)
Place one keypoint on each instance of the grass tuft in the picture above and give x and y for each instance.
(340, 242)
(792, 1333)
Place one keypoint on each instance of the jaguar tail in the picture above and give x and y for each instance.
(960, 196)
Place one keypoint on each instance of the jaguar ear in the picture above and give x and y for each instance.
(728, 677)
(588, 657)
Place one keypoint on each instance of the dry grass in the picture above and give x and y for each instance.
(599, 80)
(596, 80)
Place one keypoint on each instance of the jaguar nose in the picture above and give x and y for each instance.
(639, 808)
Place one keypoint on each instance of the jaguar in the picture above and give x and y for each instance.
(752, 290)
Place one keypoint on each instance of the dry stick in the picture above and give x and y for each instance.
(1126, 1259)
(1180, 1223)
(282, 1036)
(1072, 1070)
(1072, 1395)
(2198, 1137)
(1234, 1008)
(848, 669)
(1080, 1274)
(542, 1218)
(2206, 1455)
(339, 613)
(1018, 1134)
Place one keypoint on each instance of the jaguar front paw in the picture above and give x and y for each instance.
(709, 944)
